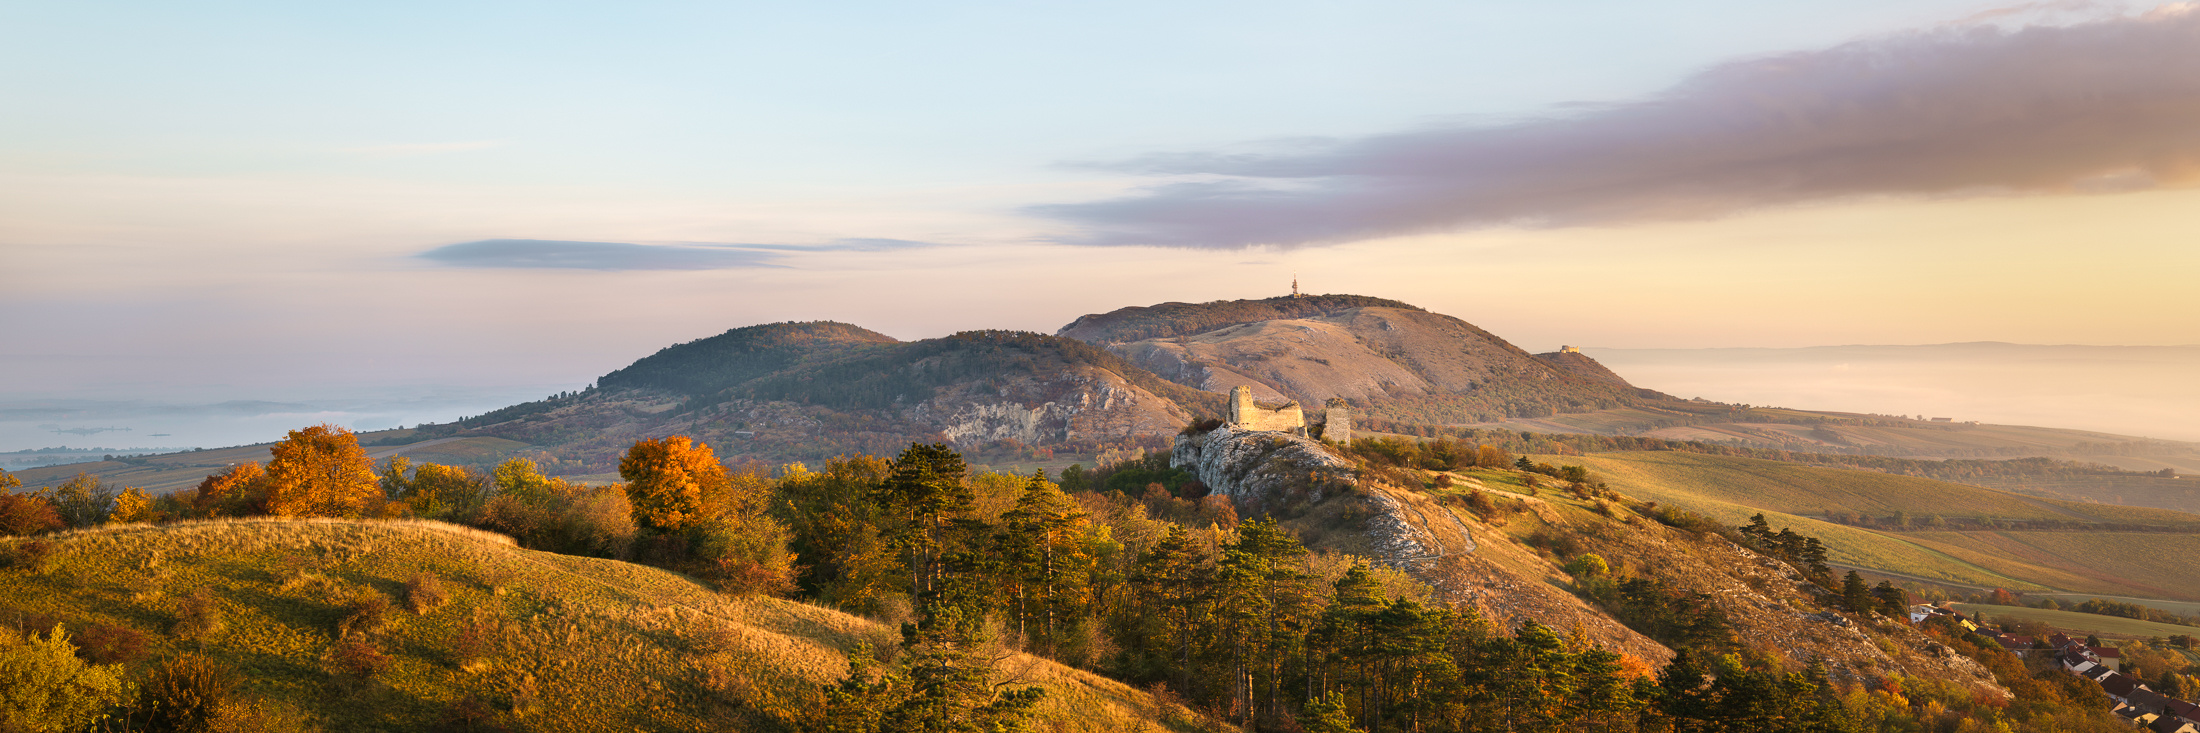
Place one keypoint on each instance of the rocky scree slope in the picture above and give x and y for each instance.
(1472, 561)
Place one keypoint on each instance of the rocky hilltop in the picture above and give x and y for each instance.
(1389, 359)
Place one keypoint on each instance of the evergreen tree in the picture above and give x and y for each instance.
(920, 498)
(1043, 565)
(1855, 595)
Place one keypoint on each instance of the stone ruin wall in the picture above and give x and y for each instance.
(1245, 414)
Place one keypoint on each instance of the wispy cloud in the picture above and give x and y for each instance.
(542, 253)
(393, 150)
(1973, 108)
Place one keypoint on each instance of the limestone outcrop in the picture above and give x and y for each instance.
(1262, 469)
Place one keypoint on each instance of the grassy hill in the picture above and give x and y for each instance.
(1730, 489)
(556, 642)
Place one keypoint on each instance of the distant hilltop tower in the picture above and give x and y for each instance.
(1295, 287)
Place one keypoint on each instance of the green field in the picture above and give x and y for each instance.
(2076, 624)
(2154, 565)
(571, 643)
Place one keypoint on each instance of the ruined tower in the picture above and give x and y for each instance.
(1246, 414)
(1337, 421)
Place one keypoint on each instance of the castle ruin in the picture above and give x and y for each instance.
(1247, 414)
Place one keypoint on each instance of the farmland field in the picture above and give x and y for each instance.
(2075, 623)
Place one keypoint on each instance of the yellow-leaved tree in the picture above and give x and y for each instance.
(321, 472)
(673, 482)
(235, 492)
(132, 506)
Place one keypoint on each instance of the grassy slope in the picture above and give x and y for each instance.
(2079, 623)
(602, 644)
(1732, 489)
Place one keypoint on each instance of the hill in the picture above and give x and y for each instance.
(1573, 360)
(1389, 360)
(527, 640)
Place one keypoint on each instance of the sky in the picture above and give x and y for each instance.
(312, 202)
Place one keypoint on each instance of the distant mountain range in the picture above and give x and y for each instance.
(1134, 376)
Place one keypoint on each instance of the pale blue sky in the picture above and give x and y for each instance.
(191, 193)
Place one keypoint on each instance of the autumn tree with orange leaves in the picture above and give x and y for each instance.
(321, 472)
(673, 482)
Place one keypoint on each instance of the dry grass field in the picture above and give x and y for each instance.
(2150, 565)
(537, 641)
(2144, 565)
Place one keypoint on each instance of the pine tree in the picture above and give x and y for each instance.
(921, 497)
(1855, 595)
(1044, 565)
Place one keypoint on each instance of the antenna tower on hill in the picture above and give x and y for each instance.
(1295, 286)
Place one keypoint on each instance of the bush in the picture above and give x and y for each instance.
(424, 592)
(369, 611)
(104, 644)
(48, 688)
(199, 617)
(27, 514)
(184, 694)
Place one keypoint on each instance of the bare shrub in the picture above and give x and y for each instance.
(185, 693)
(424, 592)
(369, 611)
(105, 644)
(199, 616)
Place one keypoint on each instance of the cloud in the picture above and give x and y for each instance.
(541, 253)
(1969, 109)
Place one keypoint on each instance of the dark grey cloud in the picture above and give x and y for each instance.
(2107, 105)
(532, 253)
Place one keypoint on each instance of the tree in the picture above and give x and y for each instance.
(1043, 563)
(437, 491)
(1855, 595)
(924, 491)
(133, 505)
(1892, 601)
(321, 472)
(239, 491)
(81, 501)
(25, 514)
(674, 482)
